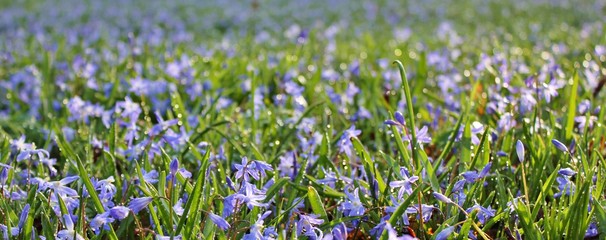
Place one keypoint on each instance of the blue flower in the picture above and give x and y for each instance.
(176, 140)
(256, 228)
(422, 135)
(13, 232)
(29, 153)
(262, 167)
(174, 166)
(330, 178)
(245, 171)
(559, 145)
(352, 206)
(287, 166)
(60, 187)
(16, 230)
(506, 122)
(393, 235)
(178, 208)
(473, 176)
(470, 176)
(442, 198)
(106, 189)
(445, 233)
(139, 204)
(526, 101)
(219, 221)
(4, 173)
(339, 232)
(160, 237)
(486, 170)
(551, 90)
(592, 230)
(162, 125)
(345, 145)
(251, 196)
(119, 212)
(307, 226)
(399, 120)
(254, 169)
(520, 150)
(229, 205)
(101, 221)
(23, 216)
(585, 121)
(174, 169)
(68, 233)
(426, 209)
(476, 128)
(20, 145)
(377, 231)
(404, 185)
(150, 177)
(567, 172)
(458, 190)
(71, 202)
(484, 214)
(565, 186)
(270, 233)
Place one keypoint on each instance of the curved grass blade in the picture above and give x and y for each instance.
(411, 113)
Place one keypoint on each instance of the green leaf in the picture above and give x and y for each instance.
(194, 196)
(467, 226)
(431, 172)
(466, 143)
(93, 194)
(275, 188)
(530, 229)
(145, 189)
(601, 217)
(401, 148)
(544, 192)
(451, 140)
(29, 223)
(316, 203)
(577, 213)
(411, 113)
(369, 167)
(572, 106)
(477, 154)
(179, 108)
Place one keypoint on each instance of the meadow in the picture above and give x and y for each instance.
(273, 119)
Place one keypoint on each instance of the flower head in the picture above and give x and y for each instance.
(559, 145)
(352, 206)
(404, 185)
(219, 221)
(139, 204)
(520, 150)
(101, 221)
(68, 232)
(567, 172)
(119, 212)
(442, 198)
(307, 225)
(445, 233)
